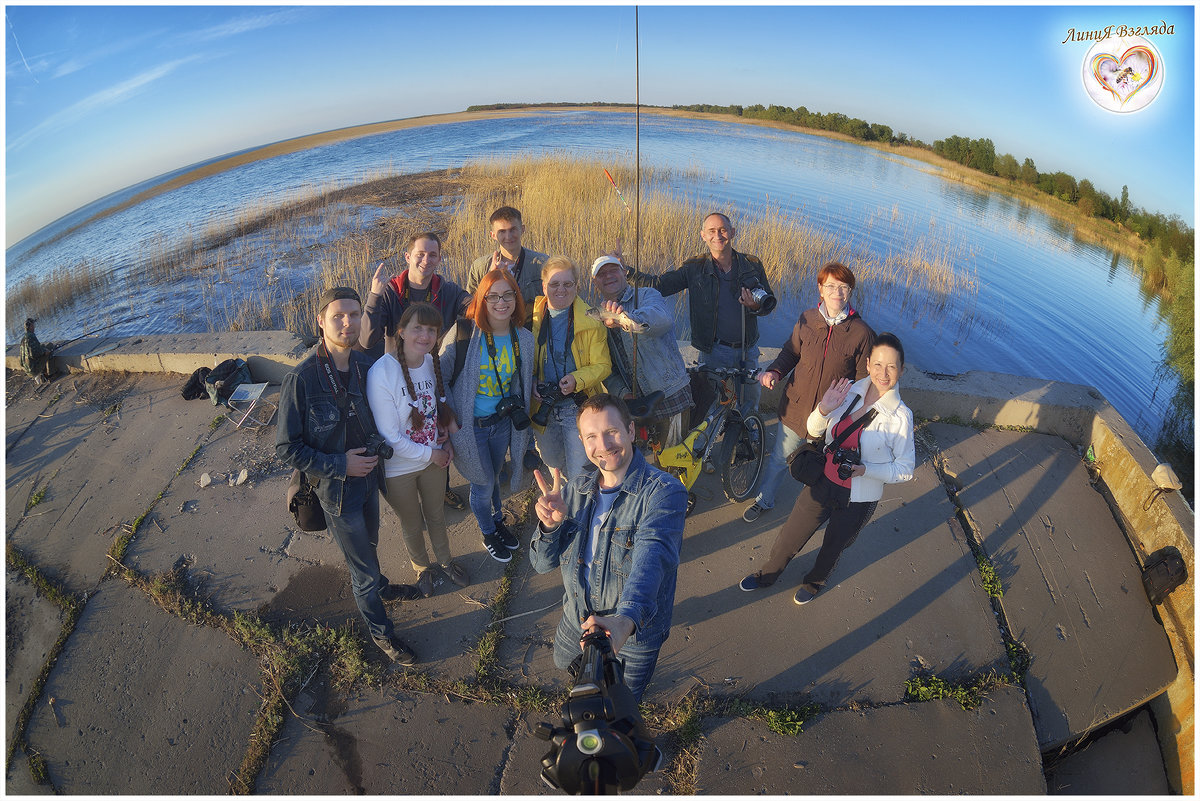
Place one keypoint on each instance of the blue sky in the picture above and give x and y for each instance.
(99, 98)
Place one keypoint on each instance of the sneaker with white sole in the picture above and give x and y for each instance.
(752, 582)
(802, 597)
(496, 548)
(753, 512)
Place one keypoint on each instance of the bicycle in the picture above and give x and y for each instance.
(741, 454)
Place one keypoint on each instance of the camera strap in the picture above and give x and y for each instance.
(545, 342)
(490, 340)
(850, 429)
(340, 394)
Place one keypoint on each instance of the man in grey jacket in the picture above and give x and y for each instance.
(506, 230)
(659, 363)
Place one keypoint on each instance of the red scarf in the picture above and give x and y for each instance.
(400, 284)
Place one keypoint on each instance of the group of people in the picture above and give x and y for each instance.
(516, 370)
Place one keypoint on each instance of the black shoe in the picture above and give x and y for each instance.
(532, 460)
(496, 548)
(425, 582)
(802, 597)
(507, 537)
(396, 651)
(753, 582)
(399, 592)
(454, 500)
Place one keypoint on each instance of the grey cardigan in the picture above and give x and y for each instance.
(462, 398)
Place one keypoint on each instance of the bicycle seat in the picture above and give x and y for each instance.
(644, 406)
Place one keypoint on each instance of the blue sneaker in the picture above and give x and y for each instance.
(802, 597)
(496, 548)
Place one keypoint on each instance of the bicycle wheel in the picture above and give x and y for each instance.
(742, 464)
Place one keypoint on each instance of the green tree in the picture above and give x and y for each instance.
(1125, 206)
(1007, 167)
(1029, 173)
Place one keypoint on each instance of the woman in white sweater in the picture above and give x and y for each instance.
(408, 401)
(878, 451)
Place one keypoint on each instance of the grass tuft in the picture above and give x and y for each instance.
(968, 694)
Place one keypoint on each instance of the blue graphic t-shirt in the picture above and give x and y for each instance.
(489, 393)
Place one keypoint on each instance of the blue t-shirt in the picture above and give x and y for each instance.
(489, 393)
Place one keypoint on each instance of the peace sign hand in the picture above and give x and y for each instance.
(550, 507)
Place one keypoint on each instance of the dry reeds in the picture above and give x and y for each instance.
(36, 296)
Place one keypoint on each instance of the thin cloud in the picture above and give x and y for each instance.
(246, 24)
(104, 98)
(18, 44)
(79, 62)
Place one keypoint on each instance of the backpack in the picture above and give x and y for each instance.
(224, 379)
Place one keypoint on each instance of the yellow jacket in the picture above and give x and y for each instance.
(589, 348)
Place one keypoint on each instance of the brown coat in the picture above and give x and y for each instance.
(819, 353)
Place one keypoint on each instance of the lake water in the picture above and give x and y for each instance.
(1047, 306)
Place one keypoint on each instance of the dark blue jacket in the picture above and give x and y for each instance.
(310, 436)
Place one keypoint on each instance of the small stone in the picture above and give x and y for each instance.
(242, 476)
(799, 765)
(205, 480)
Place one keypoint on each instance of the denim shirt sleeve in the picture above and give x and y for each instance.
(656, 546)
(652, 311)
(290, 444)
(546, 547)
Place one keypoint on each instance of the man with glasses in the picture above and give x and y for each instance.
(829, 343)
(728, 292)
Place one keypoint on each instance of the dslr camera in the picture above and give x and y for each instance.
(603, 746)
(377, 446)
(552, 395)
(513, 408)
(762, 297)
(846, 459)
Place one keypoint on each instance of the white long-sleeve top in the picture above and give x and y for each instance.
(391, 406)
(887, 446)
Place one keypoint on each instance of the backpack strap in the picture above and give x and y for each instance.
(463, 328)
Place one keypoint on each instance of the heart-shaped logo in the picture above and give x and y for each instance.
(1124, 77)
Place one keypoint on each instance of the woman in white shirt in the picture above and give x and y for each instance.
(408, 401)
(880, 451)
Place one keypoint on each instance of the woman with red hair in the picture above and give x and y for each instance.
(491, 396)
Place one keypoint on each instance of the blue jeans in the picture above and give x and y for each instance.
(356, 531)
(485, 498)
(786, 443)
(725, 356)
(638, 662)
(560, 445)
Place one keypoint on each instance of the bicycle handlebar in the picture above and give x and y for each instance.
(747, 374)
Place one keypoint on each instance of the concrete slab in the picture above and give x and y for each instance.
(390, 743)
(146, 703)
(1072, 591)
(100, 477)
(929, 748)
(31, 627)
(19, 781)
(1122, 762)
(523, 768)
(904, 599)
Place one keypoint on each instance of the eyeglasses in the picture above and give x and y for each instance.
(496, 300)
(840, 289)
(557, 285)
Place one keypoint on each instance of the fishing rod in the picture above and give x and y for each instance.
(614, 186)
(101, 328)
(637, 179)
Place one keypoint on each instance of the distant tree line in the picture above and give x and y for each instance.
(1171, 233)
(503, 106)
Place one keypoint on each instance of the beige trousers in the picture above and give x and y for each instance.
(417, 499)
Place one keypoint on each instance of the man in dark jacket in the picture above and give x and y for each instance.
(828, 343)
(325, 426)
(727, 292)
(35, 357)
(419, 283)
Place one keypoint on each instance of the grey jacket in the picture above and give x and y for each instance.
(462, 398)
(530, 279)
(659, 363)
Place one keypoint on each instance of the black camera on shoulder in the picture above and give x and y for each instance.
(603, 746)
(846, 459)
(377, 446)
(552, 395)
(513, 408)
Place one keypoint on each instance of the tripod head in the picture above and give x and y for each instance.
(603, 746)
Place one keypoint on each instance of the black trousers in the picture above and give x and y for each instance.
(823, 502)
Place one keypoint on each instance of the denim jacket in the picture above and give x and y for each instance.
(309, 436)
(659, 364)
(637, 558)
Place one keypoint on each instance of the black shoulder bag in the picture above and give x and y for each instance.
(807, 463)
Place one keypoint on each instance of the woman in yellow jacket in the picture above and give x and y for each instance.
(571, 361)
